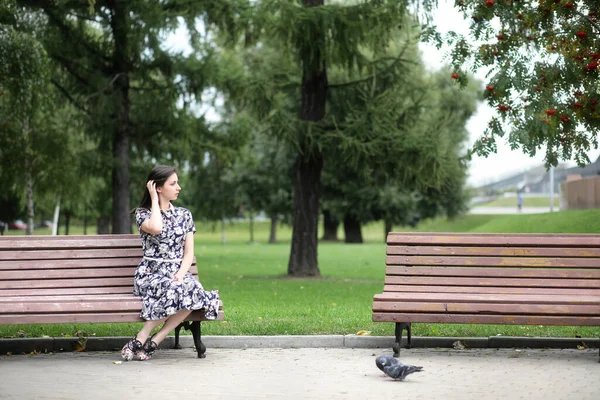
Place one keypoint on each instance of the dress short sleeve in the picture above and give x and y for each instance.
(141, 214)
(189, 223)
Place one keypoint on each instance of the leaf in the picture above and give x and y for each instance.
(363, 333)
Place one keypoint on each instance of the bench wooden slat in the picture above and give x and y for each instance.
(133, 304)
(66, 291)
(75, 318)
(58, 283)
(494, 261)
(496, 240)
(83, 263)
(508, 319)
(488, 289)
(487, 308)
(69, 242)
(58, 307)
(71, 254)
(493, 251)
(518, 282)
(73, 273)
(493, 272)
(488, 298)
(72, 263)
(75, 299)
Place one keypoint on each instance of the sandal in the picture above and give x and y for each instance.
(150, 346)
(131, 349)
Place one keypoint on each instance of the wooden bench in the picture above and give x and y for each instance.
(76, 279)
(518, 279)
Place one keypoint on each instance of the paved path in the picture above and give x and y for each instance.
(307, 373)
(510, 210)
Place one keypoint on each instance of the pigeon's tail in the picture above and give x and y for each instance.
(413, 368)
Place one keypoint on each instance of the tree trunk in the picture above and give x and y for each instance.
(387, 229)
(330, 226)
(273, 234)
(223, 236)
(121, 222)
(55, 218)
(303, 255)
(309, 160)
(67, 220)
(28, 178)
(251, 223)
(103, 225)
(352, 231)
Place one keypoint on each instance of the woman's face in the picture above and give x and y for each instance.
(170, 190)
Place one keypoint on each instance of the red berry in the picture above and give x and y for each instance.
(489, 88)
(581, 34)
(577, 105)
(564, 118)
(500, 37)
(591, 66)
(503, 108)
(489, 3)
(569, 5)
(550, 112)
(454, 76)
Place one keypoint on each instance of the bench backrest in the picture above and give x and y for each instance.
(69, 265)
(493, 263)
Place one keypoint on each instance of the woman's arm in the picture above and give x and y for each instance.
(188, 257)
(153, 225)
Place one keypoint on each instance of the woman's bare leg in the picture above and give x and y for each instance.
(170, 325)
(147, 329)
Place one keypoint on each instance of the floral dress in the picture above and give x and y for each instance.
(153, 281)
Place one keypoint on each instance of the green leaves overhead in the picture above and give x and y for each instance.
(339, 31)
(543, 60)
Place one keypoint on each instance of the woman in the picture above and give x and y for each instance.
(162, 279)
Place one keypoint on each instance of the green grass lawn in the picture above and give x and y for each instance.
(259, 299)
(542, 201)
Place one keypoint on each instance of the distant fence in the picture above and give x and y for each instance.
(578, 193)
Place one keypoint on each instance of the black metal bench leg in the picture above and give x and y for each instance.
(400, 326)
(185, 325)
(197, 334)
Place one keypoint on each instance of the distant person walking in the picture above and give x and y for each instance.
(520, 202)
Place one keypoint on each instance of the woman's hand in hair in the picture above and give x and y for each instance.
(151, 185)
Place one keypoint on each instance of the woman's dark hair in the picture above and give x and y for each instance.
(159, 174)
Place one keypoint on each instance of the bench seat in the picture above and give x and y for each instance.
(519, 279)
(76, 279)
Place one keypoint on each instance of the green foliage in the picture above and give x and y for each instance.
(543, 62)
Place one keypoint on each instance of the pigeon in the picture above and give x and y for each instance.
(400, 371)
(385, 360)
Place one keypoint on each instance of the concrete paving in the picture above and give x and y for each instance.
(304, 373)
(511, 210)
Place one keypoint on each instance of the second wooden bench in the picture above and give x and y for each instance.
(518, 279)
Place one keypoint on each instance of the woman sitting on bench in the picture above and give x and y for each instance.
(169, 292)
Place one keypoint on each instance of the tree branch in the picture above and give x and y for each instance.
(370, 77)
(69, 97)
